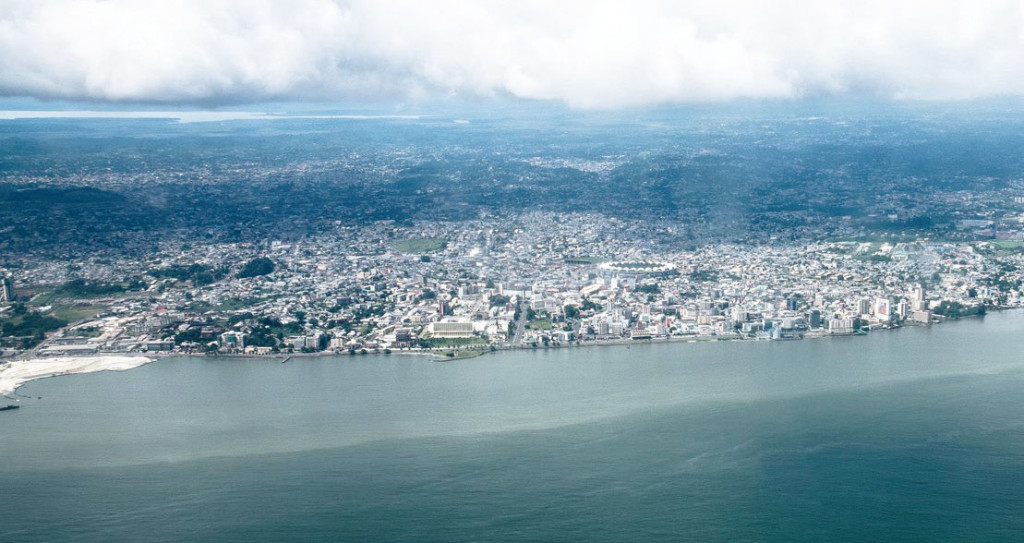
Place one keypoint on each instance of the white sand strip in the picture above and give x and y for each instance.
(17, 372)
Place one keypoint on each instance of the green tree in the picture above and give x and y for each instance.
(498, 299)
(256, 267)
(588, 305)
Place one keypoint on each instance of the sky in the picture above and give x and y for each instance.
(586, 54)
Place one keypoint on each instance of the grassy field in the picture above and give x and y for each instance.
(418, 245)
(540, 324)
(75, 312)
(64, 308)
(1000, 247)
(55, 297)
(43, 297)
(459, 355)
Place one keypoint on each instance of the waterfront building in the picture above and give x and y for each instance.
(232, 340)
(882, 310)
(840, 325)
(863, 306)
(815, 319)
(922, 316)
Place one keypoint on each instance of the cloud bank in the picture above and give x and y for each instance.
(588, 54)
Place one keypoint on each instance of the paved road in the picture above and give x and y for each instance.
(520, 328)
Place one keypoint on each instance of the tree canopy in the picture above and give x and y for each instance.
(256, 267)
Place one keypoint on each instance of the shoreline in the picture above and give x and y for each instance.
(15, 373)
(438, 355)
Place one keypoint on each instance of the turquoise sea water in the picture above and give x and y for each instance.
(916, 434)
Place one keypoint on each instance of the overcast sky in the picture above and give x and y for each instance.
(588, 54)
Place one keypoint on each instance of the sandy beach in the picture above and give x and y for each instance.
(17, 372)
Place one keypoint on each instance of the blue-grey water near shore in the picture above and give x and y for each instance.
(915, 434)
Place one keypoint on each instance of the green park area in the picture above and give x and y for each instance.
(418, 245)
(540, 324)
(22, 327)
(1000, 247)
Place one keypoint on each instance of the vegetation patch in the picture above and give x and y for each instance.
(27, 328)
(236, 304)
(704, 275)
(540, 324)
(418, 245)
(584, 260)
(198, 274)
(499, 300)
(84, 288)
(1000, 247)
(956, 310)
(256, 267)
(438, 343)
(874, 257)
(460, 355)
(649, 288)
(75, 312)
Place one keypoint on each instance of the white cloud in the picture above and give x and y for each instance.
(585, 53)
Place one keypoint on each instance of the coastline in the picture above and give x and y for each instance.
(15, 373)
(438, 355)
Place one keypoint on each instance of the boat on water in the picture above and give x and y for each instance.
(9, 407)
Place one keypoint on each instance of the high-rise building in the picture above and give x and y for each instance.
(739, 314)
(863, 306)
(882, 310)
(917, 298)
(916, 293)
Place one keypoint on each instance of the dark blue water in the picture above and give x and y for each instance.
(911, 435)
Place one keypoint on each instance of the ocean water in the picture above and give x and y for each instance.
(915, 434)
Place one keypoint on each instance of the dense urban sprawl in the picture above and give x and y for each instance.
(530, 280)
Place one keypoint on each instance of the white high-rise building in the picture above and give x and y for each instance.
(917, 301)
